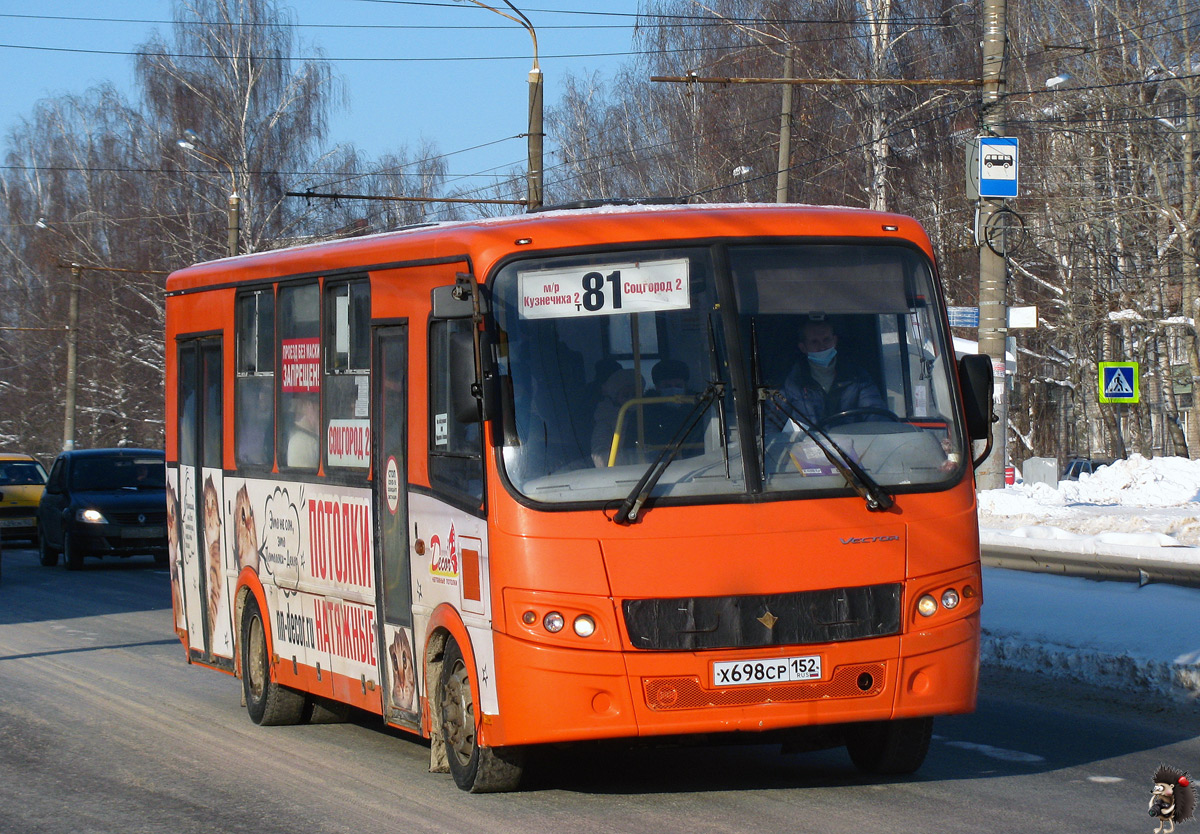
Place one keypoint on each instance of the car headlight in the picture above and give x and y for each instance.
(90, 516)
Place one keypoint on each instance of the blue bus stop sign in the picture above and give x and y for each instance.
(997, 166)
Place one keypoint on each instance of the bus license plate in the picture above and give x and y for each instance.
(768, 671)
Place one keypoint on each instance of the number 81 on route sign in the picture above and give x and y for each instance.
(605, 289)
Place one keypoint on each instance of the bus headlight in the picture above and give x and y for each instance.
(553, 622)
(950, 598)
(927, 606)
(585, 626)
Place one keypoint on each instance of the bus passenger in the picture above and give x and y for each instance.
(303, 450)
(670, 378)
(818, 386)
(661, 421)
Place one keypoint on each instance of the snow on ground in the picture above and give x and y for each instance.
(1115, 634)
(1159, 496)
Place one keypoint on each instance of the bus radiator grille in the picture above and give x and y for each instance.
(688, 693)
(831, 615)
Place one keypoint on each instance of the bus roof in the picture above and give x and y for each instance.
(486, 240)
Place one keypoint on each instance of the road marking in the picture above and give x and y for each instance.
(997, 752)
(1105, 780)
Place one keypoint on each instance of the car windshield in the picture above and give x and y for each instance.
(21, 473)
(611, 361)
(100, 473)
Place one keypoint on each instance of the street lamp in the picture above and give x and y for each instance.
(234, 212)
(535, 107)
(742, 174)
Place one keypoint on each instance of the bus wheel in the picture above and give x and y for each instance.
(474, 768)
(889, 747)
(268, 703)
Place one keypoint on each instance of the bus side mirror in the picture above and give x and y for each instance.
(463, 385)
(459, 300)
(453, 302)
(975, 375)
(471, 398)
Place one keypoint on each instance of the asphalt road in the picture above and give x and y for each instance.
(105, 728)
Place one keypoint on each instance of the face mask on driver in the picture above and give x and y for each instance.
(824, 358)
(670, 392)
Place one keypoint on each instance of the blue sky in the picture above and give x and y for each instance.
(412, 95)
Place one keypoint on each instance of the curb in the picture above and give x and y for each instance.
(1091, 558)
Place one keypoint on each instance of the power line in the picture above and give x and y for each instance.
(369, 59)
(680, 22)
(650, 17)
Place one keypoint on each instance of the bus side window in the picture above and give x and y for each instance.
(300, 372)
(347, 375)
(254, 390)
(455, 448)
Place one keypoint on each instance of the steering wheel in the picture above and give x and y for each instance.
(869, 411)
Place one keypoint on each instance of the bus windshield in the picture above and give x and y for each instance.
(738, 369)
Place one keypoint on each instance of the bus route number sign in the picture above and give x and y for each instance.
(605, 289)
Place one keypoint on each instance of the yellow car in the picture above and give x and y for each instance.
(22, 480)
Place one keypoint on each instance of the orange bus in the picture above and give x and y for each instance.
(622, 472)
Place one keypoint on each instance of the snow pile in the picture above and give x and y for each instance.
(1149, 502)
(1137, 482)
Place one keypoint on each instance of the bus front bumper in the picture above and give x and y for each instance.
(553, 694)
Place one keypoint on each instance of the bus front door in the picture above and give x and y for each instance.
(400, 702)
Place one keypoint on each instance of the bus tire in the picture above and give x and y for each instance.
(268, 703)
(889, 748)
(475, 768)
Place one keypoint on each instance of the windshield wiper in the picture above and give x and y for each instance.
(878, 499)
(632, 505)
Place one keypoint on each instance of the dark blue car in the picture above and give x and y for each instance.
(104, 502)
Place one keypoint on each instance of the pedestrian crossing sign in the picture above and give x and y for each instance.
(1119, 382)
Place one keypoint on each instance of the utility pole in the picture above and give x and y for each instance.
(993, 268)
(72, 360)
(785, 134)
(235, 222)
(535, 135)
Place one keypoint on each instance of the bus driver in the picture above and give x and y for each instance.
(818, 386)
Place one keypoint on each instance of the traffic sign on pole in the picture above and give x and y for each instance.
(1119, 383)
(997, 166)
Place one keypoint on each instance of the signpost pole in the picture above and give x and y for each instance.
(993, 277)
